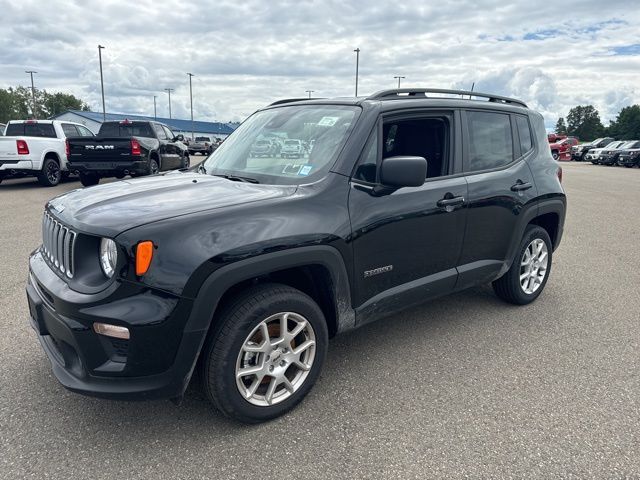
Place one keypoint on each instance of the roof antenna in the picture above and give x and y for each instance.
(472, 85)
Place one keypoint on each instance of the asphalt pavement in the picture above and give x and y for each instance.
(465, 386)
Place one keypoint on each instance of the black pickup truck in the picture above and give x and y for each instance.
(126, 148)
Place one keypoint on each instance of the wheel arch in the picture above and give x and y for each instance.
(318, 271)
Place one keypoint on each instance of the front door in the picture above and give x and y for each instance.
(406, 244)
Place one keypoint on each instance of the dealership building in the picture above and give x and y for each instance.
(93, 120)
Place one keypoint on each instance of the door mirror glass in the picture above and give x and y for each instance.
(179, 138)
(403, 171)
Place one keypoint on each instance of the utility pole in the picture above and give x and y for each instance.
(399, 78)
(155, 112)
(169, 90)
(33, 94)
(191, 101)
(104, 111)
(357, 50)
(309, 92)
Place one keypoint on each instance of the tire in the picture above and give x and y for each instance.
(89, 180)
(509, 287)
(50, 175)
(239, 322)
(153, 166)
(185, 162)
(555, 155)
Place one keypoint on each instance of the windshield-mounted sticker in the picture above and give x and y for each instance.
(305, 170)
(328, 121)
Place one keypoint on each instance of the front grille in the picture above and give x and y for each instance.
(58, 243)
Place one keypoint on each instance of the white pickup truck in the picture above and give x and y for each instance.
(38, 148)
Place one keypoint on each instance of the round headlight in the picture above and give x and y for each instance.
(108, 256)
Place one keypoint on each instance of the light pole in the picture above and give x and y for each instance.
(33, 93)
(169, 90)
(191, 101)
(104, 111)
(309, 92)
(155, 112)
(399, 78)
(357, 50)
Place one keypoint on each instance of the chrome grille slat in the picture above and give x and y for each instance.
(58, 243)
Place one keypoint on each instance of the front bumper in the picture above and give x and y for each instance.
(150, 365)
(629, 161)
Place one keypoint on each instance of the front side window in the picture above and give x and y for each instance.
(368, 163)
(490, 140)
(286, 145)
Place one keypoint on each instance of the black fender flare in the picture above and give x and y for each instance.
(219, 282)
(555, 205)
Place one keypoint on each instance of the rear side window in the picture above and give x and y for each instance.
(30, 130)
(524, 132)
(490, 141)
(69, 130)
(159, 131)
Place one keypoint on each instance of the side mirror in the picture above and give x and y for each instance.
(179, 138)
(403, 171)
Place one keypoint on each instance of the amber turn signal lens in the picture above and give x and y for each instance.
(144, 254)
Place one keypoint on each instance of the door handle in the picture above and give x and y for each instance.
(521, 186)
(449, 203)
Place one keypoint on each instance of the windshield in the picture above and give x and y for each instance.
(323, 129)
(629, 144)
(613, 144)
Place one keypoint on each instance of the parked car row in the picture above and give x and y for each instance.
(51, 150)
(620, 152)
(285, 148)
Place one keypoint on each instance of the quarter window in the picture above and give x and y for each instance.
(69, 130)
(524, 132)
(490, 140)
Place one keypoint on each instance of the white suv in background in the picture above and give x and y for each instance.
(37, 148)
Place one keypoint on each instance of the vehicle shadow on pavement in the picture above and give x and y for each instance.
(29, 183)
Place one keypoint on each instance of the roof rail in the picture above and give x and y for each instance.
(289, 100)
(422, 92)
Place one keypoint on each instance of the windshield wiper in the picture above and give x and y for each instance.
(237, 178)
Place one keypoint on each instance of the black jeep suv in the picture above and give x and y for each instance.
(242, 268)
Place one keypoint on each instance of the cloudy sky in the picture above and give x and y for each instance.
(247, 53)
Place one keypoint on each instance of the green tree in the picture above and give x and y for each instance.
(561, 127)
(584, 122)
(17, 103)
(627, 124)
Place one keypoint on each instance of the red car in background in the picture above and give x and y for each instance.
(561, 149)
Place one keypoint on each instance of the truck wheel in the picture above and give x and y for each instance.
(555, 155)
(265, 353)
(185, 162)
(89, 180)
(530, 270)
(50, 174)
(153, 166)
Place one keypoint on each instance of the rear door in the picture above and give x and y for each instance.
(163, 150)
(501, 190)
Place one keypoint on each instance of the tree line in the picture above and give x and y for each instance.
(583, 121)
(17, 104)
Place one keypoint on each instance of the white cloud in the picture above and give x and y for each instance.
(247, 54)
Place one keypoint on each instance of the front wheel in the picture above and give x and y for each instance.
(555, 155)
(530, 270)
(50, 175)
(185, 162)
(267, 352)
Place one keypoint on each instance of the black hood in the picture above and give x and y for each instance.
(112, 208)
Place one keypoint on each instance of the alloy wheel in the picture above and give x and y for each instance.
(53, 172)
(533, 266)
(275, 359)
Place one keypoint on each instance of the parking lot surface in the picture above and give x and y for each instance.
(463, 386)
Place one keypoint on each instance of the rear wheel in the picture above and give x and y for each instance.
(50, 174)
(265, 354)
(555, 154)
(185, 162)
(153, 167)
(89, 179)
(529, 272)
